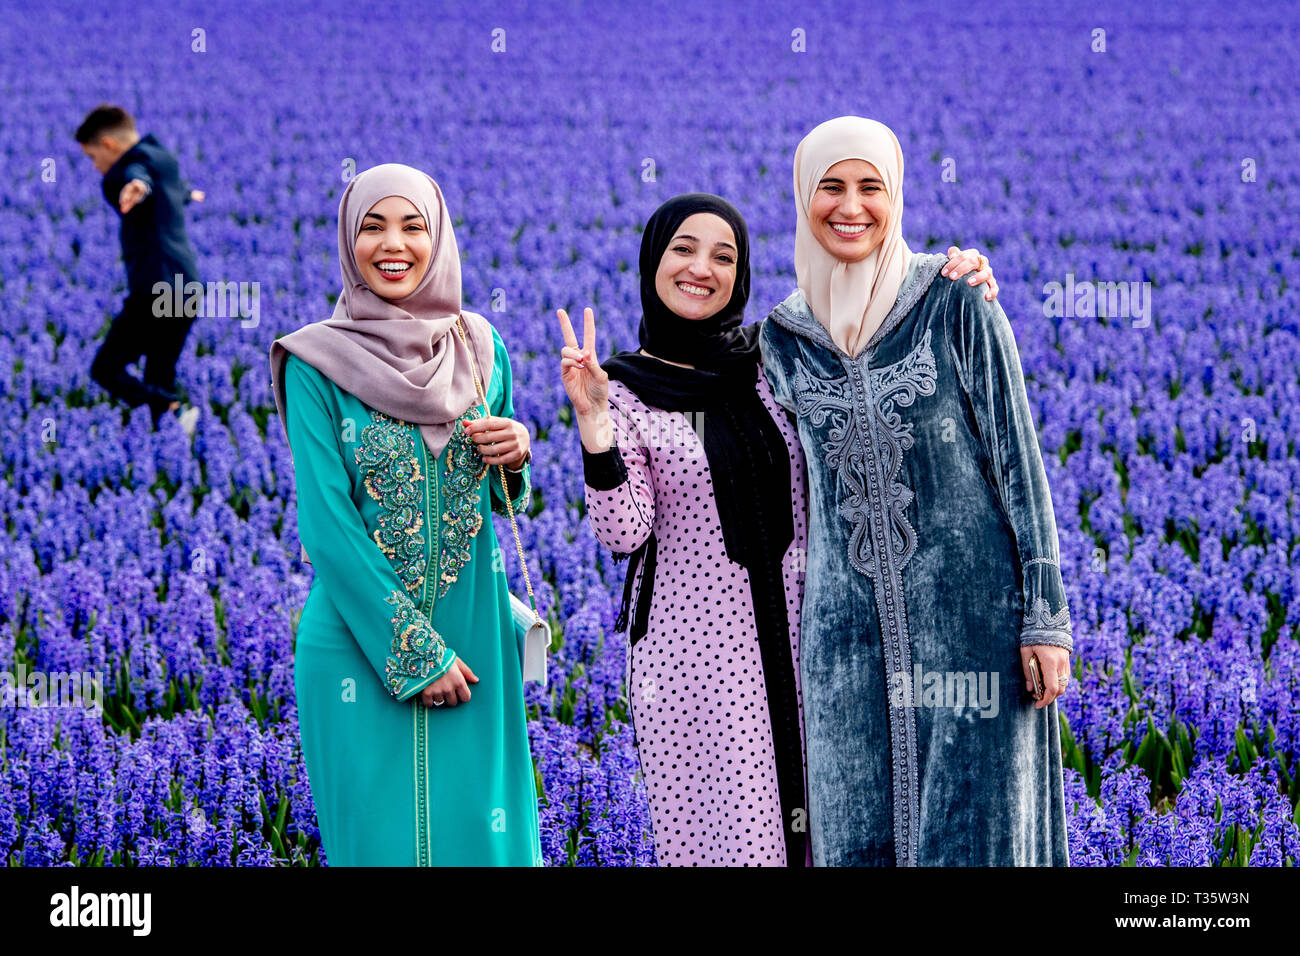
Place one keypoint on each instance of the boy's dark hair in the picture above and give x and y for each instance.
(105, 120)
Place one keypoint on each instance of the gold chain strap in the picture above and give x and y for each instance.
(505, 490)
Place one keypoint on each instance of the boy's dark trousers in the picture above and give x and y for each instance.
(137, 331)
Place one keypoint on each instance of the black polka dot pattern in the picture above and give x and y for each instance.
(695, 680)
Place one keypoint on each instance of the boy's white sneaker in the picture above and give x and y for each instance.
(189, 417)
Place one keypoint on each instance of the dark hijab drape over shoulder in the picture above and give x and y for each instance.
(748, 461)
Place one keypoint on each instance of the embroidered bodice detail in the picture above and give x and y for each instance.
(390, 467)
(461, 518)
(832, 401)
(389, 459)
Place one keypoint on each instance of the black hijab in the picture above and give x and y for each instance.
(748, 461)
(717, 343)
(747, 455)
(724, 353)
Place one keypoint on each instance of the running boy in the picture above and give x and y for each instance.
(142, 182)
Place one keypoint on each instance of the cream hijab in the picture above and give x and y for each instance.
(850, 299)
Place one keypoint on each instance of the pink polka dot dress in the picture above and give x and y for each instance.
(695, 679)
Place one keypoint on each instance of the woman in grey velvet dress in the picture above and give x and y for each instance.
(933, 566)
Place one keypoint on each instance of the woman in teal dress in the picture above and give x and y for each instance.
(407, 667)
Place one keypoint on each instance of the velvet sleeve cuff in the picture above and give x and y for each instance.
(1041, 626)
(603, 471)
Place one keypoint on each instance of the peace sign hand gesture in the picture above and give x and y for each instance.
(586, 382)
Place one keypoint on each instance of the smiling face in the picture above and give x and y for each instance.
(849, 213)
(393, 248)
(698, 269)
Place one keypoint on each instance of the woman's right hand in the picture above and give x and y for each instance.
(586, 382)
(584, 379)
(451, 687)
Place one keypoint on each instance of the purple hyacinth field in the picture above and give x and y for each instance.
(1130, 170)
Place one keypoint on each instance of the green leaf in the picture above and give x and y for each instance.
(1246, 751)
(276, 843)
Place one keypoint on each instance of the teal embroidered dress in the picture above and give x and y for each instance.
(408, 576)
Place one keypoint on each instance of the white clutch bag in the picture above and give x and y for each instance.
(534, 640)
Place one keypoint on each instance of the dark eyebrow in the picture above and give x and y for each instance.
(840, 182)
(693, 239)
(406, 218)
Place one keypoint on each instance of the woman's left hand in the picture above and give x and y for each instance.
(1055, 664)
(962, 261)
(499, 441)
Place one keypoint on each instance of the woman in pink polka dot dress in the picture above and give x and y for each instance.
(696, 473)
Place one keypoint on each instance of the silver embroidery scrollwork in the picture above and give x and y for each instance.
(898, 385)
(1052, 561)
(823, 400)
(864, 446)
(827, 402)
(1041, 626)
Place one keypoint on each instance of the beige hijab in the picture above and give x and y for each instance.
(849, 299)
(402, 358)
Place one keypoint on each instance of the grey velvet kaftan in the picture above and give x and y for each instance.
(933, 556)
